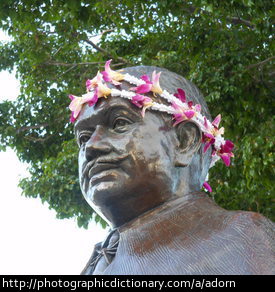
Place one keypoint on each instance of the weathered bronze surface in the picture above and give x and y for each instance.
(143, 177)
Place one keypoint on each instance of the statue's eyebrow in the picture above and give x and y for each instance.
(86, 123)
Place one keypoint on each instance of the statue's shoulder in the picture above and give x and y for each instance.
(243, 239)
(246, 222)
(242, 221)
(255, 235)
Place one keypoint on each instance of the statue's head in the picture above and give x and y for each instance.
(131, 161)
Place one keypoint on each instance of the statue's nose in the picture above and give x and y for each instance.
(98, 143)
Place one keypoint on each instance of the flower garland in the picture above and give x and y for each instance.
(181, 109)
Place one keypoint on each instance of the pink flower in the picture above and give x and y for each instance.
(215, 130)
(206, 124)
(102, 90)
(212, 131)
(77, 103)
(182, 114)
(208, 139)
(189, 114)
(190, 104)
(90, 84)
(217, 121)
(207, 187)
(180, 95)
(110, 75)
(226, 152)
(149, 85)
(146, 78)
(72, 118)
(215, 124)
(198, 108)
(155, 83)
(142, 101)
(143, 88)
(139, 100)
(94, 100)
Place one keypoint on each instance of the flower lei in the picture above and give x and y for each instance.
(181, 109)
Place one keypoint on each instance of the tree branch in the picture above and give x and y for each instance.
(238, 20)
(190, 9)
(261, 63)
(104, 52)
(26, 128)
(35, 139)
(68, 70)
(56, 52)
(71, 64)
(103, 32)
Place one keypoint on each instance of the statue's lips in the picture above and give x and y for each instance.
(100, 167)
(101, 164)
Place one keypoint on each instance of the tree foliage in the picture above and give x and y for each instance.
(224, 47)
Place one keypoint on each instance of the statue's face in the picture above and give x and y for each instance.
(125, 161)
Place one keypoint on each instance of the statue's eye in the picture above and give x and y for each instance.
(120, 124)
(83, 138)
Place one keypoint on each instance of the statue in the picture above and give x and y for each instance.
(142, 171)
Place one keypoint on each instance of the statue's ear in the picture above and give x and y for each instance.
(189, 137)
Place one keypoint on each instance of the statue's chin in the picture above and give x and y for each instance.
(106, 187)
(104, 192)
(111, 202)
(118, 197)
(104, 180)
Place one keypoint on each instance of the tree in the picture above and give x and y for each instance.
(224, 47)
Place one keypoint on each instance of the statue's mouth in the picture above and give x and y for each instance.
(101, 164)
(100, 167)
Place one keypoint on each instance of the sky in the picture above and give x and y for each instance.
(33, 241)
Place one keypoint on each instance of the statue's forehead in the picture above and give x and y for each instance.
(103, 107)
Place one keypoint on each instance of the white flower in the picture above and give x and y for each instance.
(133, 80)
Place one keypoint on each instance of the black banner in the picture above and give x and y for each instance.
(156, 283)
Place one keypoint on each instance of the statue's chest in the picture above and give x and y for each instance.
(174, 253)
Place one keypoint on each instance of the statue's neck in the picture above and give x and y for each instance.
(166, 206)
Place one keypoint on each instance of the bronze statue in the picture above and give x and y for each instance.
(143, 176)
